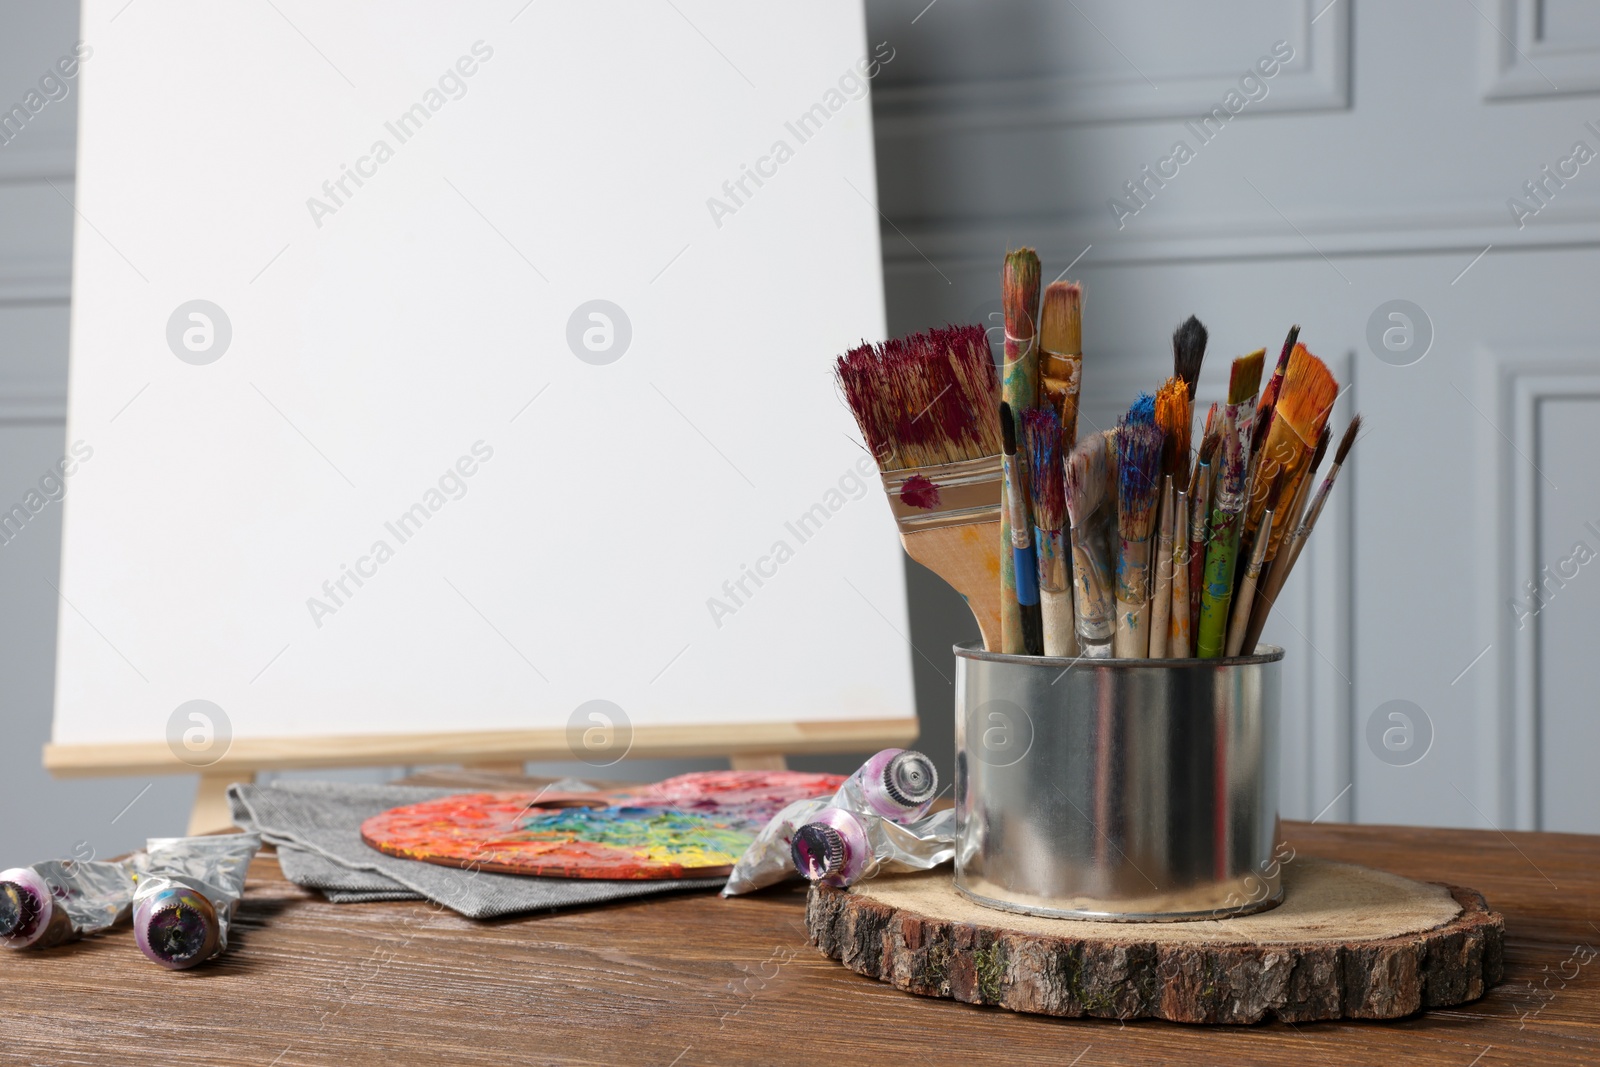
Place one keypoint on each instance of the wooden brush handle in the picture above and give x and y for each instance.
(1060, 638)
(968, 559)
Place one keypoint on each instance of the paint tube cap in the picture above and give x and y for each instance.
(910, 779)
(20, 912)
(177, 929)
(819, 851)
(26, 907)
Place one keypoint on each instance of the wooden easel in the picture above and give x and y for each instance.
(747, 746)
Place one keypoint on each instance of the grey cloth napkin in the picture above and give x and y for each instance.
(316, 827)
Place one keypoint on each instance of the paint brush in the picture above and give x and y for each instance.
(1303, 530)
(1174, 417)
(1269, 395)
(1270, 575)
(1289, 552)
(1200, 484)
(1226, 515)
(926, 406)
(1019, 301)
(1188, 351)
(1178, 623)
(1024, 559)
(1161, 598)
(1239, 619)
(1138, 485)
(1305, 400)
(1061, 355)
(1041, 434)
(1092, 513)
(1244, 382)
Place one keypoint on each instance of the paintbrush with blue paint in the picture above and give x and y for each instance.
(1042, 434)
(1023, 556)
(1138, 491)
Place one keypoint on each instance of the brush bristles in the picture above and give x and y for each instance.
(1322, 450)
(1087, 477)
(1174, 414)
(1041, 433)
(1275, 493)
(1019, 293)
(1306, 398)
(1061, 318)
(1143, 411)
(1350, 434)
(1245, 381)
(925, 399)
(1138, 477)
(1212, 424)
(1188, 352)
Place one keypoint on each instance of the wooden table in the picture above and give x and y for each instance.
(694, 979)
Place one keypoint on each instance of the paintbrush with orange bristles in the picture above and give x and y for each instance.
(927, 406)
(1295, 541)
(1174, 416)
(1061, 356)
(1305, 400)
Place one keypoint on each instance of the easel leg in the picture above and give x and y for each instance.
(770, 762)
(210, 812)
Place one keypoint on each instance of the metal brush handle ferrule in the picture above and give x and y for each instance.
(968, 491)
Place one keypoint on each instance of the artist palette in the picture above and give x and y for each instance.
(694, 825)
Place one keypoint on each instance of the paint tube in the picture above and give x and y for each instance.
(840, 848)
(896, 784)
(58, 901)
(188, 889)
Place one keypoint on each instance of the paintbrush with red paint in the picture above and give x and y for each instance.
(927, 406)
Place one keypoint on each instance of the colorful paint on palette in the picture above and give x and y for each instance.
(694, 825)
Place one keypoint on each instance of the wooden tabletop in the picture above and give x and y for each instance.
(691, 979)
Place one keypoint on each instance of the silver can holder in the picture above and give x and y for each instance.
(1120, 790)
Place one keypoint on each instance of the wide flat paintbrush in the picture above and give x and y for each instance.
(1093, 516)
(1041, 434)
(1019, 301)
(1295, 542)
(1024, 558)
(1304, 402)
(1061, 355)
(1138, 486)
(927, 407)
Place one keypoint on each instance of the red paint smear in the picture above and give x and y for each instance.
(919, 492)
(470, 830)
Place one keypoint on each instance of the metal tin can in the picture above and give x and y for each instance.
(1122, 790)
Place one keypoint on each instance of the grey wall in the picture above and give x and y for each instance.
(1377, 166)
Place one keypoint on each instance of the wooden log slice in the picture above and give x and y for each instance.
(1347, 942)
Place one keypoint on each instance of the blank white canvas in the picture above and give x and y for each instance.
(421, 317)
